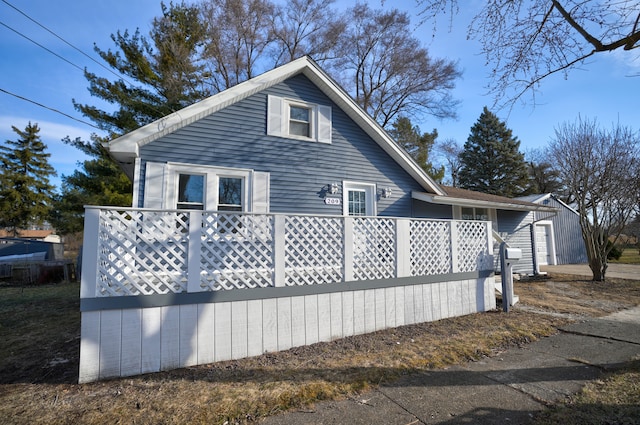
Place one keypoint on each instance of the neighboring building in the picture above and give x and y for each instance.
(558, 237)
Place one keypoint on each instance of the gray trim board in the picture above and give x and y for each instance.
(162, 300)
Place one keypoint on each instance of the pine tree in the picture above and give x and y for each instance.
(491, 160)
(25, 191)
(97, 181)
(418, 145)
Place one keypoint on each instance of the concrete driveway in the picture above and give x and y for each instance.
(620, 271)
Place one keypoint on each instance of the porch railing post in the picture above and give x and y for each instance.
(489, 261)
(455, 243)
(193, 252)
(347, 239)
(279, 247)
(403, 247)
(90, 257)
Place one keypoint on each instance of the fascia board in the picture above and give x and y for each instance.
(131, 142)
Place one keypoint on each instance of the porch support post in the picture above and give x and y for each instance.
(90, 246)
(489, 264)
(193, 253)
(455, 243)
(403, 247)
(348, 249)
(279, 247)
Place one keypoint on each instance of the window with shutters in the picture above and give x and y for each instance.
(295, 119)
(176, 185)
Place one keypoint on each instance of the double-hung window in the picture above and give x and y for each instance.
(230, 191)
(300, 120)
(191, 191)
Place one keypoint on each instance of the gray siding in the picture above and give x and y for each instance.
(423, 209)
(236, 137)
(515, 228)
(570, 247)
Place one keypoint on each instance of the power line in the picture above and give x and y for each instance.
(49, 108)
(65, 41)
(40, 45)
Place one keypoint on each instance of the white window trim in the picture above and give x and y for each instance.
(313, 112)
(368, 188)
(212, 176)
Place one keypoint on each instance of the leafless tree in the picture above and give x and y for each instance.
(389, 72)
(306, 27)
(450, 150)
(238, 34)
(601, 170)
(525, 41)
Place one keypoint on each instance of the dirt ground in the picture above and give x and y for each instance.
(38, 382)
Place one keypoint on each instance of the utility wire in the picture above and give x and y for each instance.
(40, 45)
(65, 41)
(49, 108)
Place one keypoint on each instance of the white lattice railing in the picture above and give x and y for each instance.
(142, 252)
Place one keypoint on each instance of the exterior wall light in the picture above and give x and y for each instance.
(386, 192)
(333, 188)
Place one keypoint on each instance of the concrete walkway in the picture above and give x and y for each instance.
(509, 388)
(620, 271)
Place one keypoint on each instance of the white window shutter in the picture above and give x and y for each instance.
(324, 124)
(154, 187)
(260, 196)
(275, 115)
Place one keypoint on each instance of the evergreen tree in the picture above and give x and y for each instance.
(98, 181)
(418, 145)
(491, 160)
(25, 191)
(165, 67)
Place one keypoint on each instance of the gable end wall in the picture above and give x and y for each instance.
(236, 137)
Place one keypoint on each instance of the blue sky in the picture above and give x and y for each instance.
(602, 89)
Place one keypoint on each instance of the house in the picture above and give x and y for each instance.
(275, 214)
(558, 237)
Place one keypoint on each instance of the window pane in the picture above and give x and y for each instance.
(299, 114)
(299, 129)
(482, 214)
(467, 213)
(230, 194)
(190, 191)
(357, 202)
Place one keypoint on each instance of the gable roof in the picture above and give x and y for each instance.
(470, 198)
(539, 199)
(126, 148)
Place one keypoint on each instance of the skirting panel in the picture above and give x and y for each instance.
(126, 342)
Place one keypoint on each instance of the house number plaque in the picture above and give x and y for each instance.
(332, 201)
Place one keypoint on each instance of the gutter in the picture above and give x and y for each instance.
(448, 200)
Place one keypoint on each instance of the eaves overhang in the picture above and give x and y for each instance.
(511, 206)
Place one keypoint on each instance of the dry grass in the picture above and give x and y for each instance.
(37, 376)
(612, 400)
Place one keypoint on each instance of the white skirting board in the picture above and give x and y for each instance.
(127, 342)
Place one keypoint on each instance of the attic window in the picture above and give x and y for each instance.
(296, 119)
(299, 121)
